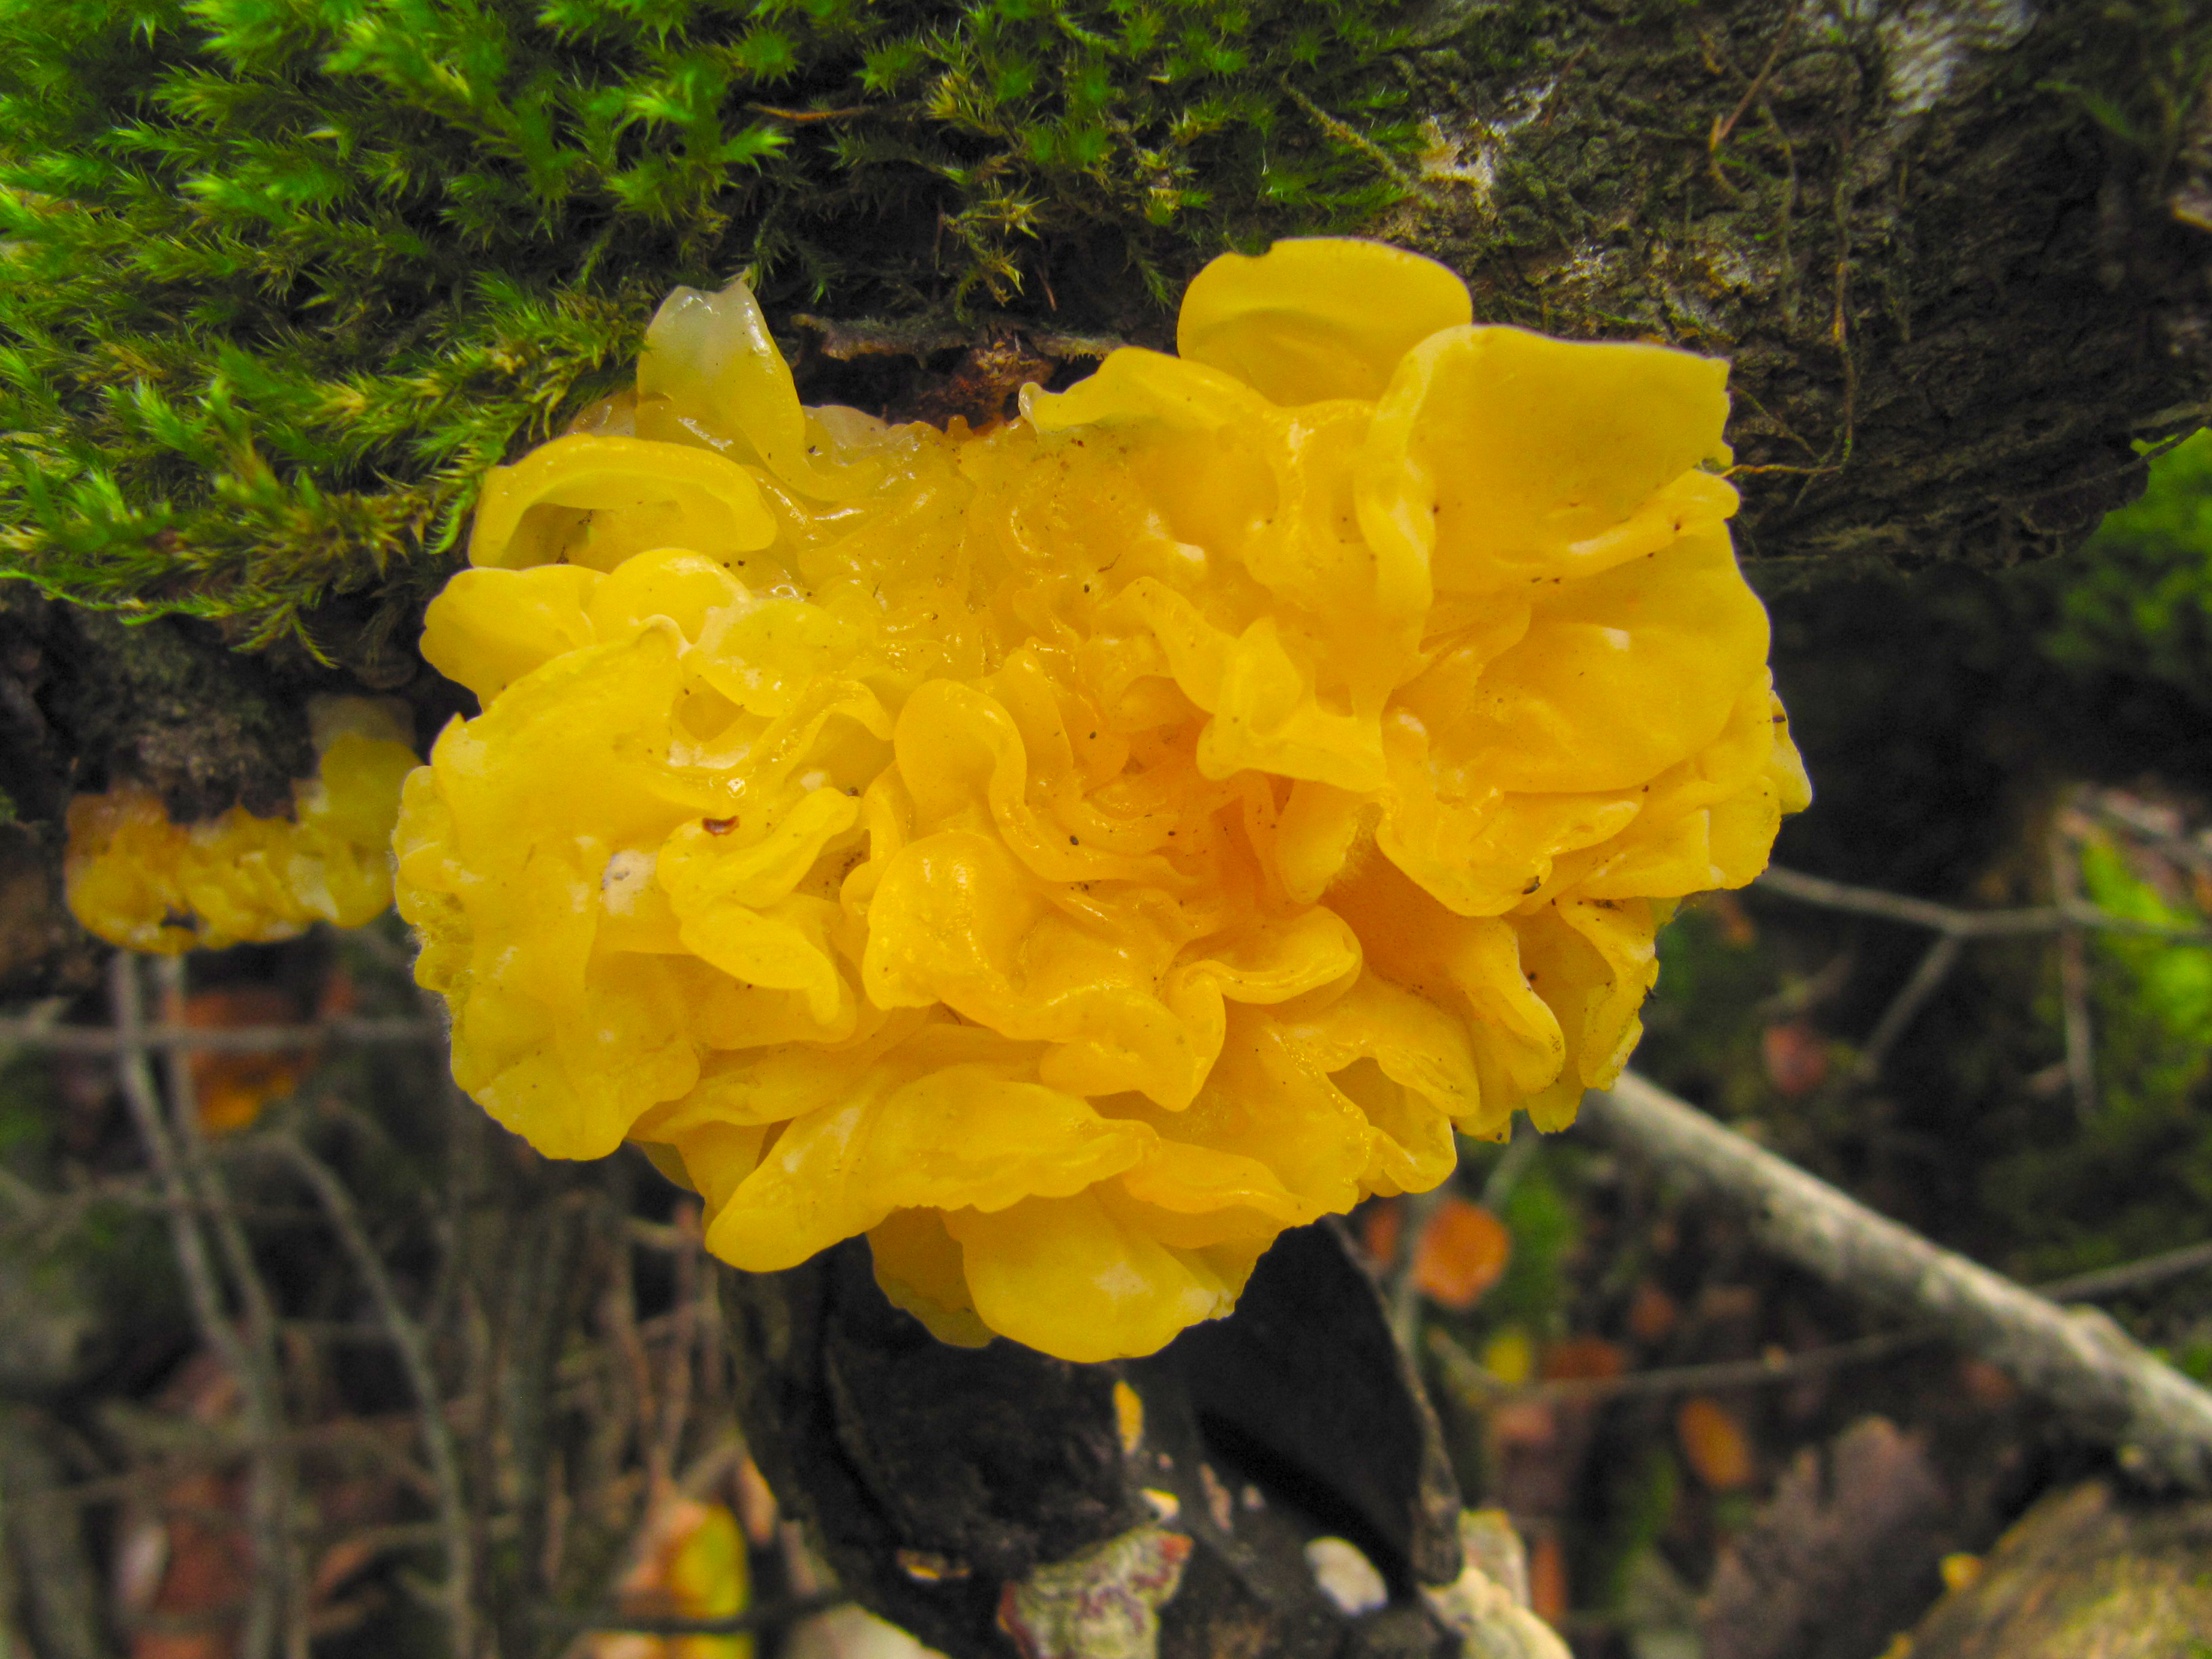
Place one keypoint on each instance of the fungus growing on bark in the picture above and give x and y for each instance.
(1073, 853)
(138, 880)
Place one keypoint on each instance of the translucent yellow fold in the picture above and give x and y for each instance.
(138, 880)
(1070, 853)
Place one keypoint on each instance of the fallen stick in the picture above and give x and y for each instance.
(2106, 1383)
(213, 1039)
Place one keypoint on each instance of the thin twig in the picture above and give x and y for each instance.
(1927, 979)
(265, 1379)
(267, 1494)
(227, 1040)
(1475, 1385)
(1965, 924)
(1722, 129)
(1405, 1295)
(618, 1309)
(2145, 822)
(1505, 1175)
(768, 1615)
(22, 1196)
(2074, 987)
(2129, 1275)
(1779, 1367)
(415, 1358)
(2082, 1362)
(675, 1395)
(1739, 1373)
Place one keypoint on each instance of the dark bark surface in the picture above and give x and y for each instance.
(1953, 295)
(936, 1479)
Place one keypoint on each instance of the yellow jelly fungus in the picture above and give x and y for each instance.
(692, 1566)
(138, 880)
(1072, 853)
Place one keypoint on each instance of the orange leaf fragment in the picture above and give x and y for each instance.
(1578, 1358)
(1796, 1057)
(1736, 928)
(1985, 1385)
(1651, 1313)
(692, 1566)
(232, 1089)
(197, 1610)
(1547, 1579)
(1462, 1253)
(1381, 1227)
(1713, 1445)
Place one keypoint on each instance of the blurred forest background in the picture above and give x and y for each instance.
(454, 1363)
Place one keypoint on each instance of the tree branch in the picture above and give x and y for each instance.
(1956, 923)
(421, 1377)
(269, 1491)
(2081, 1362)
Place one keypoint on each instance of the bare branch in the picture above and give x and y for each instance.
(258, 1307)
(269, 1494)
(768, 1615)
(1965, 924)
(2130, 1275)
(413, 1356)
(2082, 1362)
(1479, 1390)
(667, 1440)
(2073, 986)
(1927, 979)
(32, 1033)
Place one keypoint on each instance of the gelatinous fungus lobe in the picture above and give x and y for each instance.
(1072, 853)
(136, 880)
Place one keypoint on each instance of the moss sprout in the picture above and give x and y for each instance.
(284, 276)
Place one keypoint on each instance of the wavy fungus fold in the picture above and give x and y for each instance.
(139, 881)
(1072, 853)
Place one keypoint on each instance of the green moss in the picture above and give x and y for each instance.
(2154, 996)
(2138, 597)
(283, 277)
(2140, 68)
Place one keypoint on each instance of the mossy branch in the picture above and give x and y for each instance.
(283, 278)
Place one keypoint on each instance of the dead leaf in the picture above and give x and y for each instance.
(1713, 1445)
(1736, 928)
(1547, 1579)
(1843, 1554)
(1579, 1358)
(1795, 1058)
(1652, 1314)
(1382, 1224)
(1462, 1253)
(232, 1089)
(195, 1614)
(1985, 1385)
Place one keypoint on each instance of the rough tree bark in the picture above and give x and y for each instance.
(1952, 296)
(2089, 1573)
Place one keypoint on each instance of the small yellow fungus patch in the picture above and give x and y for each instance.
(1072, 853)
(1129, 1417)
(692, 1566)
(138, 880)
